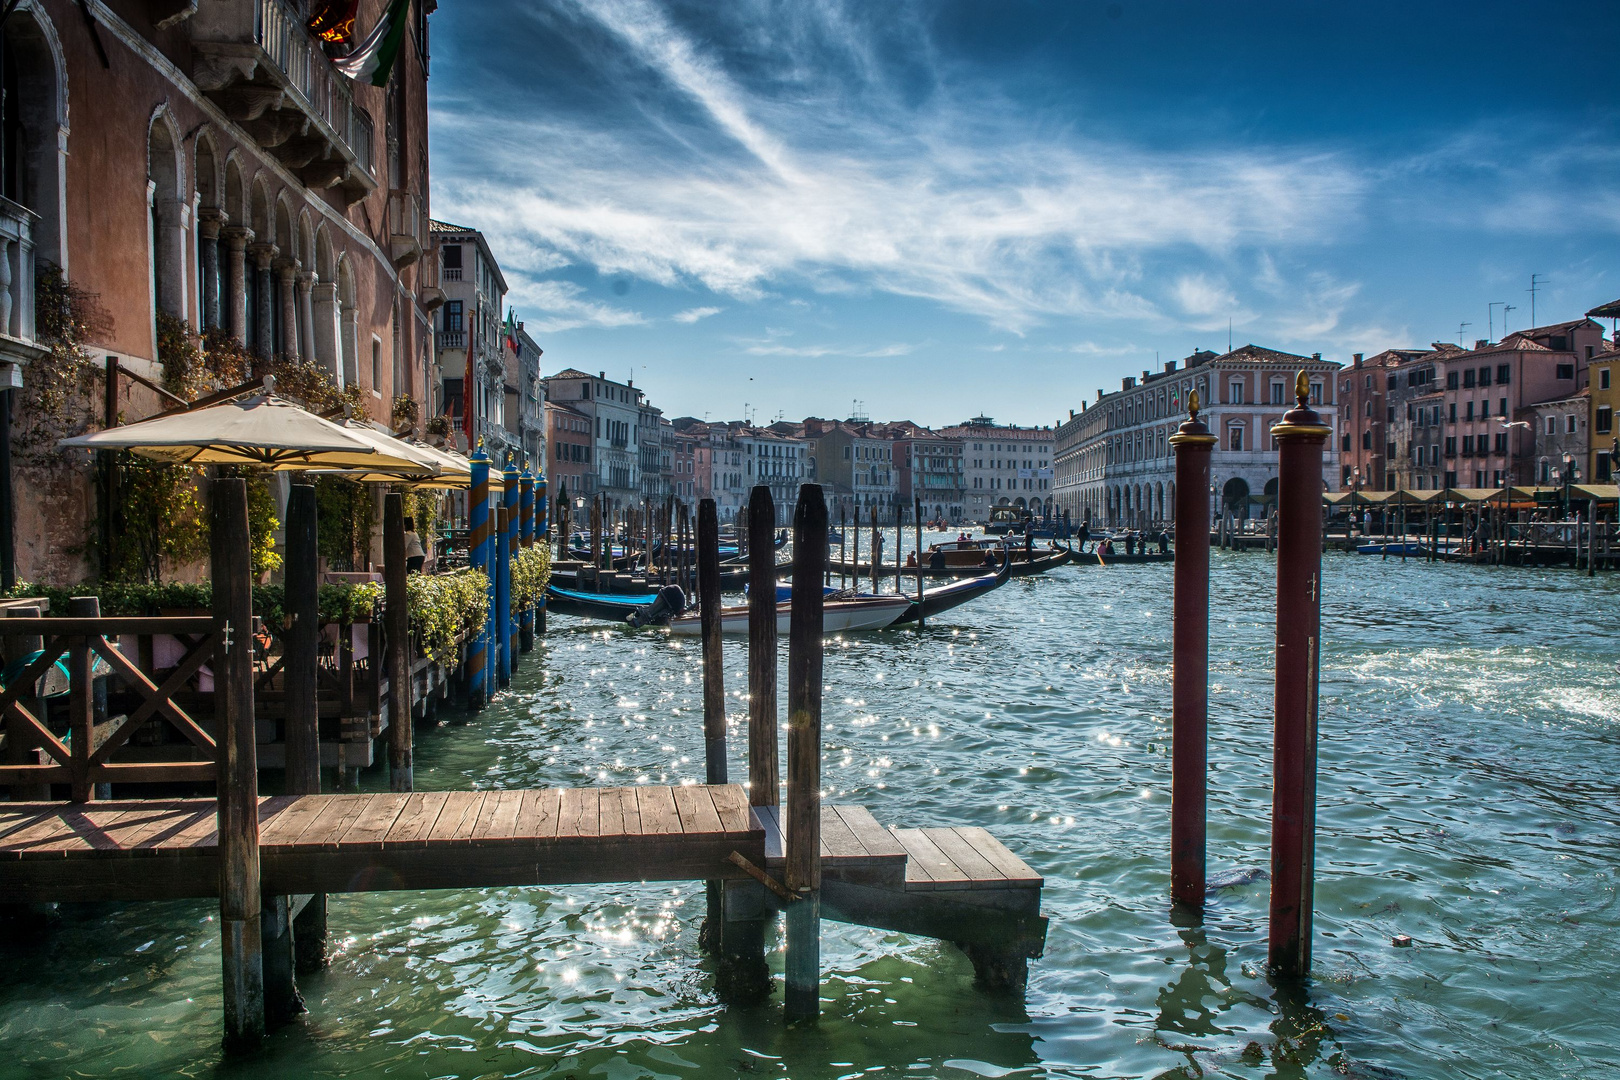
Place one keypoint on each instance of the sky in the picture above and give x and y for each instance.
(931, 211)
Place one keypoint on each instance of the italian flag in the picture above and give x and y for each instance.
(373, 59)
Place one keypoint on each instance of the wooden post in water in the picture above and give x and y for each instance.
(81, 700)
(917, 509)
(802, 839)
(714, 689)
(526, 540)
(241, 954)
(741, 974)
(1300, 436)
(841, 538)
(397, 613)
(1189, 718)
(877, 548)
(302, 708)
(899, 522)
(21, 744)
(763, 757)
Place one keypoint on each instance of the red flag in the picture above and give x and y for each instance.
(468, 381)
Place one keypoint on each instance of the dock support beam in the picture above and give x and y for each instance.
(1300, 437)
(302, 701)
(1189, 718)
(395, 609)
(802, 839)
(241, 953)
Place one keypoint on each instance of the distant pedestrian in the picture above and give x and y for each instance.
(415, 556)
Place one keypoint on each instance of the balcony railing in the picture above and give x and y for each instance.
(257, 59)
(452, 273)
(452, 339)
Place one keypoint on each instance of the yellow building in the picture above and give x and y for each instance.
(1603, 369)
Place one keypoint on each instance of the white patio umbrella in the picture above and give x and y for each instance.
(263, 430)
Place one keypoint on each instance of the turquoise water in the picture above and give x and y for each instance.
(1470, 768)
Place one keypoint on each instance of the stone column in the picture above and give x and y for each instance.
(306, 316)
(325, 332)
(237, 239)
(287, 272)
(209, 223)
(264, 340)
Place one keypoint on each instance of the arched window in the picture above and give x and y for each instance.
(168, 214)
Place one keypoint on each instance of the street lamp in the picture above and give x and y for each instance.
(1571, 474)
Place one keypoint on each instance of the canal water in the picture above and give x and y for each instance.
(1469, 798)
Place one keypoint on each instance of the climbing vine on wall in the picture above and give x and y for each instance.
(159, 519)
(345, 515)
(59, 388)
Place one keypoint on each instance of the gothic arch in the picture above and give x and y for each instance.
(165, 178)
(40, 111)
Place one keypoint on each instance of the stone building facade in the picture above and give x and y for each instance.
(1004, 465)
(207, 161)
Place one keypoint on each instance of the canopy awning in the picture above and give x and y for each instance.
(263, 430)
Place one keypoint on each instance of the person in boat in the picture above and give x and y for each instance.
(989, 557)
(1130, 543)
(1105, 546)
(936, 560)
(1084, 536)
(1164, 542)
(911, 559)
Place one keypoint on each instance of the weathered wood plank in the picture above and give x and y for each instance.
(331, 823)
(539, 814)
(368, 830)
(456, 820)
(878, 841)
(731, 804)
(1012, 868)
(193, 832)
(579, 813)
(415, 822)
(696, 809)
(980, 871)
(497, 818)
(927, 867)
(285, 826)
(837, 842)
(619, 814)
(658, 814)
(770, 818)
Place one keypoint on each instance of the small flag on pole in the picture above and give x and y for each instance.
(373, 59)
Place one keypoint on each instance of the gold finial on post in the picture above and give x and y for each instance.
(1302, 388)
(1192, 405)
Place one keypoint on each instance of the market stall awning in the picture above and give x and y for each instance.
(1603, 492)
(263, 430)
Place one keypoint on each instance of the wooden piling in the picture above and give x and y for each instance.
(81, 700)
(877, 549)
(763, 778)
(1300, 437)
(841, 538)
(802, 842)
(917, 510)
(1189, 718)
(240, 942)
(714, 689)
(302, 708)
(398, 660)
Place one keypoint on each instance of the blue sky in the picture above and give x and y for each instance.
(945, 209)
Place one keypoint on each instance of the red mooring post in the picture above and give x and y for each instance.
(1299, 436)
(1189, 716)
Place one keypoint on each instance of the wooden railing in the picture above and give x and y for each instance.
(83, 760)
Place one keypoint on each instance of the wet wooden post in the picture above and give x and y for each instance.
(81, 701)
(917, 508)
(855, 547)
(1189, 718)
(802, 839)
(1300, 437)
(763, 778)
(877, 549)
(512, 503)
(741, 971)
(714, 689)
(241, 952)
(842, 527)
(596, 542)
(899, 524)
(542, 536)
(398, 660)
(302, 708)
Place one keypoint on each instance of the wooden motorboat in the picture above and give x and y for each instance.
(942, 598)
(837, 616)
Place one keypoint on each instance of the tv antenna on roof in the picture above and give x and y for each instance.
(1536, 282)
(859, 411)
(1462, 329)
(1505, 309)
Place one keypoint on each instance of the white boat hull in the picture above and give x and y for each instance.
(837, 616)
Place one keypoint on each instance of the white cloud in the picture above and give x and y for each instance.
(562, 307)
(844, 184)
(692, 315)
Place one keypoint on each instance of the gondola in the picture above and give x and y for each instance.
(942, 598)
(609, 606)
(837, 616)
(1119, 558)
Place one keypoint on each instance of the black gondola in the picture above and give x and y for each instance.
(944, 597)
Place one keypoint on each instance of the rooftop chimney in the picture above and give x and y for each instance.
(1145, 375)
(1099, 394)
(1358, 359)
(1481, 343)
(1316, 356)
(1169, 367)
(602, 375)
(1071, 412)
(1126, 383)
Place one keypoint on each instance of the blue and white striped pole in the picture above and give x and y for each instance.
(542, 533)
(478, 552)
(526, 540)
(510, 502)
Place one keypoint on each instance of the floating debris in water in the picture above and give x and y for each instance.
(1401, 941)
(1233, 879)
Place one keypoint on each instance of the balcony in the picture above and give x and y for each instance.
(405, 228)
(17, 344)
(452, 339)
(255, 59)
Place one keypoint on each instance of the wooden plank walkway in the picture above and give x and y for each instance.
(153, 849)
